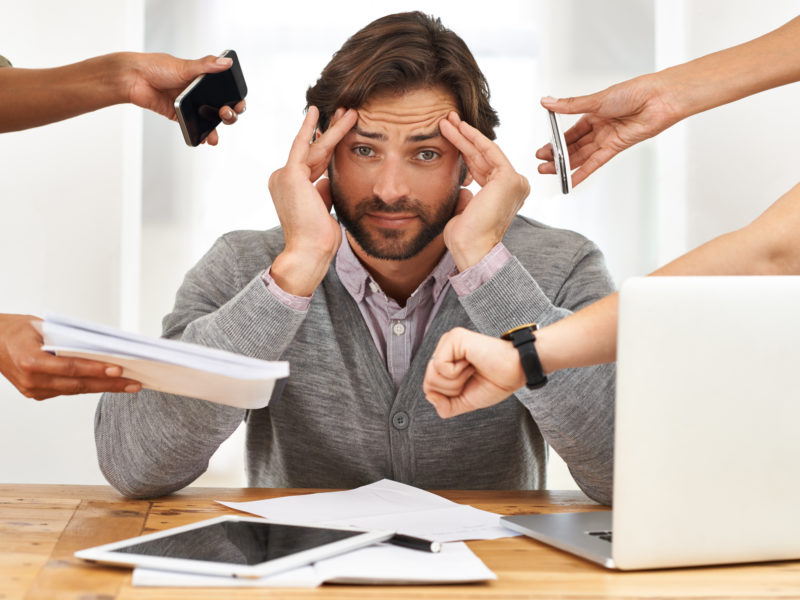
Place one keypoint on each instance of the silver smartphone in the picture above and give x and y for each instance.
(560, 153)
(197, 107)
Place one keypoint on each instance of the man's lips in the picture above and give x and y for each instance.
(391, 220)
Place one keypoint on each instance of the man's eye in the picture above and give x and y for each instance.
(427, 155)
(363, 151)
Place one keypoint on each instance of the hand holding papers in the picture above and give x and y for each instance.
(168, 365)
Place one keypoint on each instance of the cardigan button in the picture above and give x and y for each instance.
(401, 420)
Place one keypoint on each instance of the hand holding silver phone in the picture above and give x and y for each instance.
(197, 107)
(560, 153)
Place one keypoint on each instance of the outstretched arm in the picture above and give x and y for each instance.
(34, 97)
(640, 108)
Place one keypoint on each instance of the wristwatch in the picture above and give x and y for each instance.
(522, 337)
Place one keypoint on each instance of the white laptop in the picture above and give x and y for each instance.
(707, 437)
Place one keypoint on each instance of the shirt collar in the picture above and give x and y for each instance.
(356, 278)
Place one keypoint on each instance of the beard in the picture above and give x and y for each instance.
(392, 244)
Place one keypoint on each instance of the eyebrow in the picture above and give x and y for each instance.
(413, 139)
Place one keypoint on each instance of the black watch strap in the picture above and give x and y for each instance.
(523, 339)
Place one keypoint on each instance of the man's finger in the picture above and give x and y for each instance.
(338, 128)
(489, 152)
(478, 166)
(319, 156)
(299, 149)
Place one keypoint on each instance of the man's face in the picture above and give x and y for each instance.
(394, 179)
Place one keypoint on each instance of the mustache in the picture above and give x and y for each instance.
(401, 205)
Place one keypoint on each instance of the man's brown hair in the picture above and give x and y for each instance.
(400, 53)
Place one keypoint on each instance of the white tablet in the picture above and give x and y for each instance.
(233, 546)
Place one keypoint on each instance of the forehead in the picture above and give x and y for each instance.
(414, 112)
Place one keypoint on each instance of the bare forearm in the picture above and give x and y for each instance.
(33, 97)
(766, 62)
(770, 245)
(586, 337)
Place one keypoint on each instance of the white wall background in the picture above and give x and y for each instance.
(101, 216)
(69, 198)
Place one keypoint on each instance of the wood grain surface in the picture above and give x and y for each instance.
(41, 526)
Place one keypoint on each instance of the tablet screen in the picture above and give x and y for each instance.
(238, 542)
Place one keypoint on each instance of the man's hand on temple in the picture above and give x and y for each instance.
(38, 374)
(482, 220)
(312, 234)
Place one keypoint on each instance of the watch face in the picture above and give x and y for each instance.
(507, 335)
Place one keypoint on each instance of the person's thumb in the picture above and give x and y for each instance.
(571, 106)
(207, 64)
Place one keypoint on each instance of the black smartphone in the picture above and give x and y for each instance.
(197, 107)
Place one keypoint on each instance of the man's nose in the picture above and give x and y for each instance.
(391, 181)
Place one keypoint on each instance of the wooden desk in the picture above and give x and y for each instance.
(42, 525)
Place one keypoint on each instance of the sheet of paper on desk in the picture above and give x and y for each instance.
(168, 365)
(384, 504)
(380, 564)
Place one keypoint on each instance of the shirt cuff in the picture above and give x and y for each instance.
(468, 281)
(300, 303)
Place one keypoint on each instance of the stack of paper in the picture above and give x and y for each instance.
(385, 504)
(168, 365)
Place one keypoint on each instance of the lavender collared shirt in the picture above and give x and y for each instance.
(398, 331)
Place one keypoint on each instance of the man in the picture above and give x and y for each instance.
(400, 120)
(151, 81)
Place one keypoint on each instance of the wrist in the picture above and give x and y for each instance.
(122, 72)
(471, 253)
(299, 273)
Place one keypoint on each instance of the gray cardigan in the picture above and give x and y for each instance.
(339, 422)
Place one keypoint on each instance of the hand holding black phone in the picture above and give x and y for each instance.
(197, 107)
